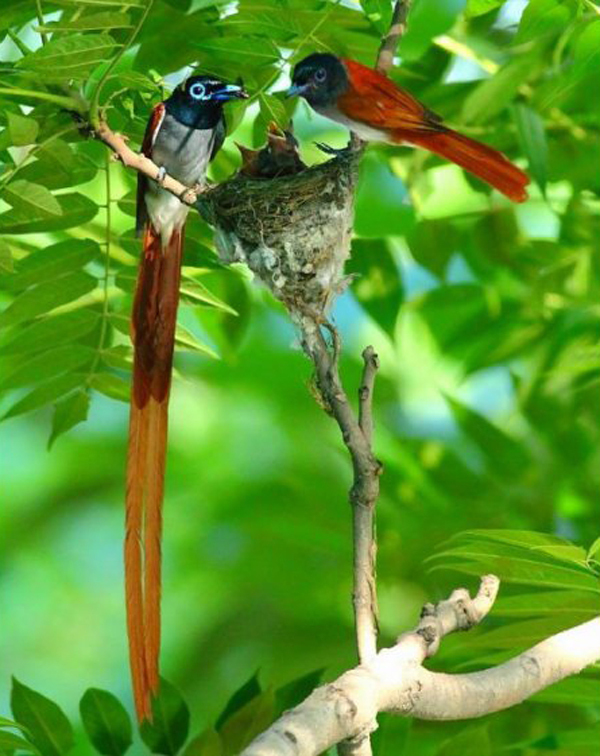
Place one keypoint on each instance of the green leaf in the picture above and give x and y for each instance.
(47, 364)
(196, 293)
(69, 57)
(379, 13)
(21, 129)
(54, 330)
(77, 209)
(10, 742)
(168, 730)
(532, 604)
(103, 3)
(382, 206)
(207, 743)
(377, 285)
(26, 196)
(532, 136)
(297, 690)
(106, 722)
(48, 263)
(6, 260)
(273, 108)
(507, 454)
(49, 728)
(491, 96)
(92, 22)
(432, 243)
(112, 386)
(427, 19)
(249, 690)
(472, 741)
(248, 722)
(5, 722)
(185, 339)
(479, 7)
(46, 296)
(58, 167)
(45, 394)
(542, 17)
(586, 52)
(68, 413)
(573, 691)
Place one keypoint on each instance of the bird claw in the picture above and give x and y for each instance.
(161, 175)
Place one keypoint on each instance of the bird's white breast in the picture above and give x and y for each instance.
(184, 153)
(365, 132)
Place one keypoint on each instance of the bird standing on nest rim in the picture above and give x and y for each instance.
(377, 110)
(183, 135)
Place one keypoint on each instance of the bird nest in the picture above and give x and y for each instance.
(290, 224)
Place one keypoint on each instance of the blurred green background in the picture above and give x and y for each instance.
(484, 314)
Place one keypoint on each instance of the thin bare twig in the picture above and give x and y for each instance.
(387, 50)
(142, 164)
(365, 392)
(365, 486)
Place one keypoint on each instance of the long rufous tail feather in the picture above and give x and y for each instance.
(153, 332)
(482, 161)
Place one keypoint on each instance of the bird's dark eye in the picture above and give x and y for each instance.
(320, 75)
(198, 91)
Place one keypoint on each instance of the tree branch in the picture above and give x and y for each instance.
(387, 50)
(395, 681)
(365, 487)
(142, 164)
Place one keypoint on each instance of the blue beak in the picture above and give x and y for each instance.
(297, 90)
(230, 92)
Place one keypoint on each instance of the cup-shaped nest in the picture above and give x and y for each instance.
(293, 230)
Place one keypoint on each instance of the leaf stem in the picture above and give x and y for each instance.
(9, 175)
(40, 16)
(106, 275)
(69, 103)
(95, 102)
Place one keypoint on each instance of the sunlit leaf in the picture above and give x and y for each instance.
(69, 57)
(27, 196)
(92, 22)
(21, 129)
(44, 394)
(545, 16)
(77, 209)
(112, 386)
(479, 7)
(69, 412)
(40, 299)
(46, 365)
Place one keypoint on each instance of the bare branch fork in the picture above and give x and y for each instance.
(395, 681)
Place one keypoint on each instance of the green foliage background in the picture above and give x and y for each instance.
(485, 316)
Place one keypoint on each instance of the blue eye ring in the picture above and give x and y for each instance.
(320, 75)
(198, 91)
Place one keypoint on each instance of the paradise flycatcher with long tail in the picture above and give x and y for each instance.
(372, 106)
(183, 135)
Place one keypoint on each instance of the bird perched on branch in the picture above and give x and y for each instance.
(377, 110)
(183, 135)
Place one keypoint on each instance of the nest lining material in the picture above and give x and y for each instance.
(293, 231)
